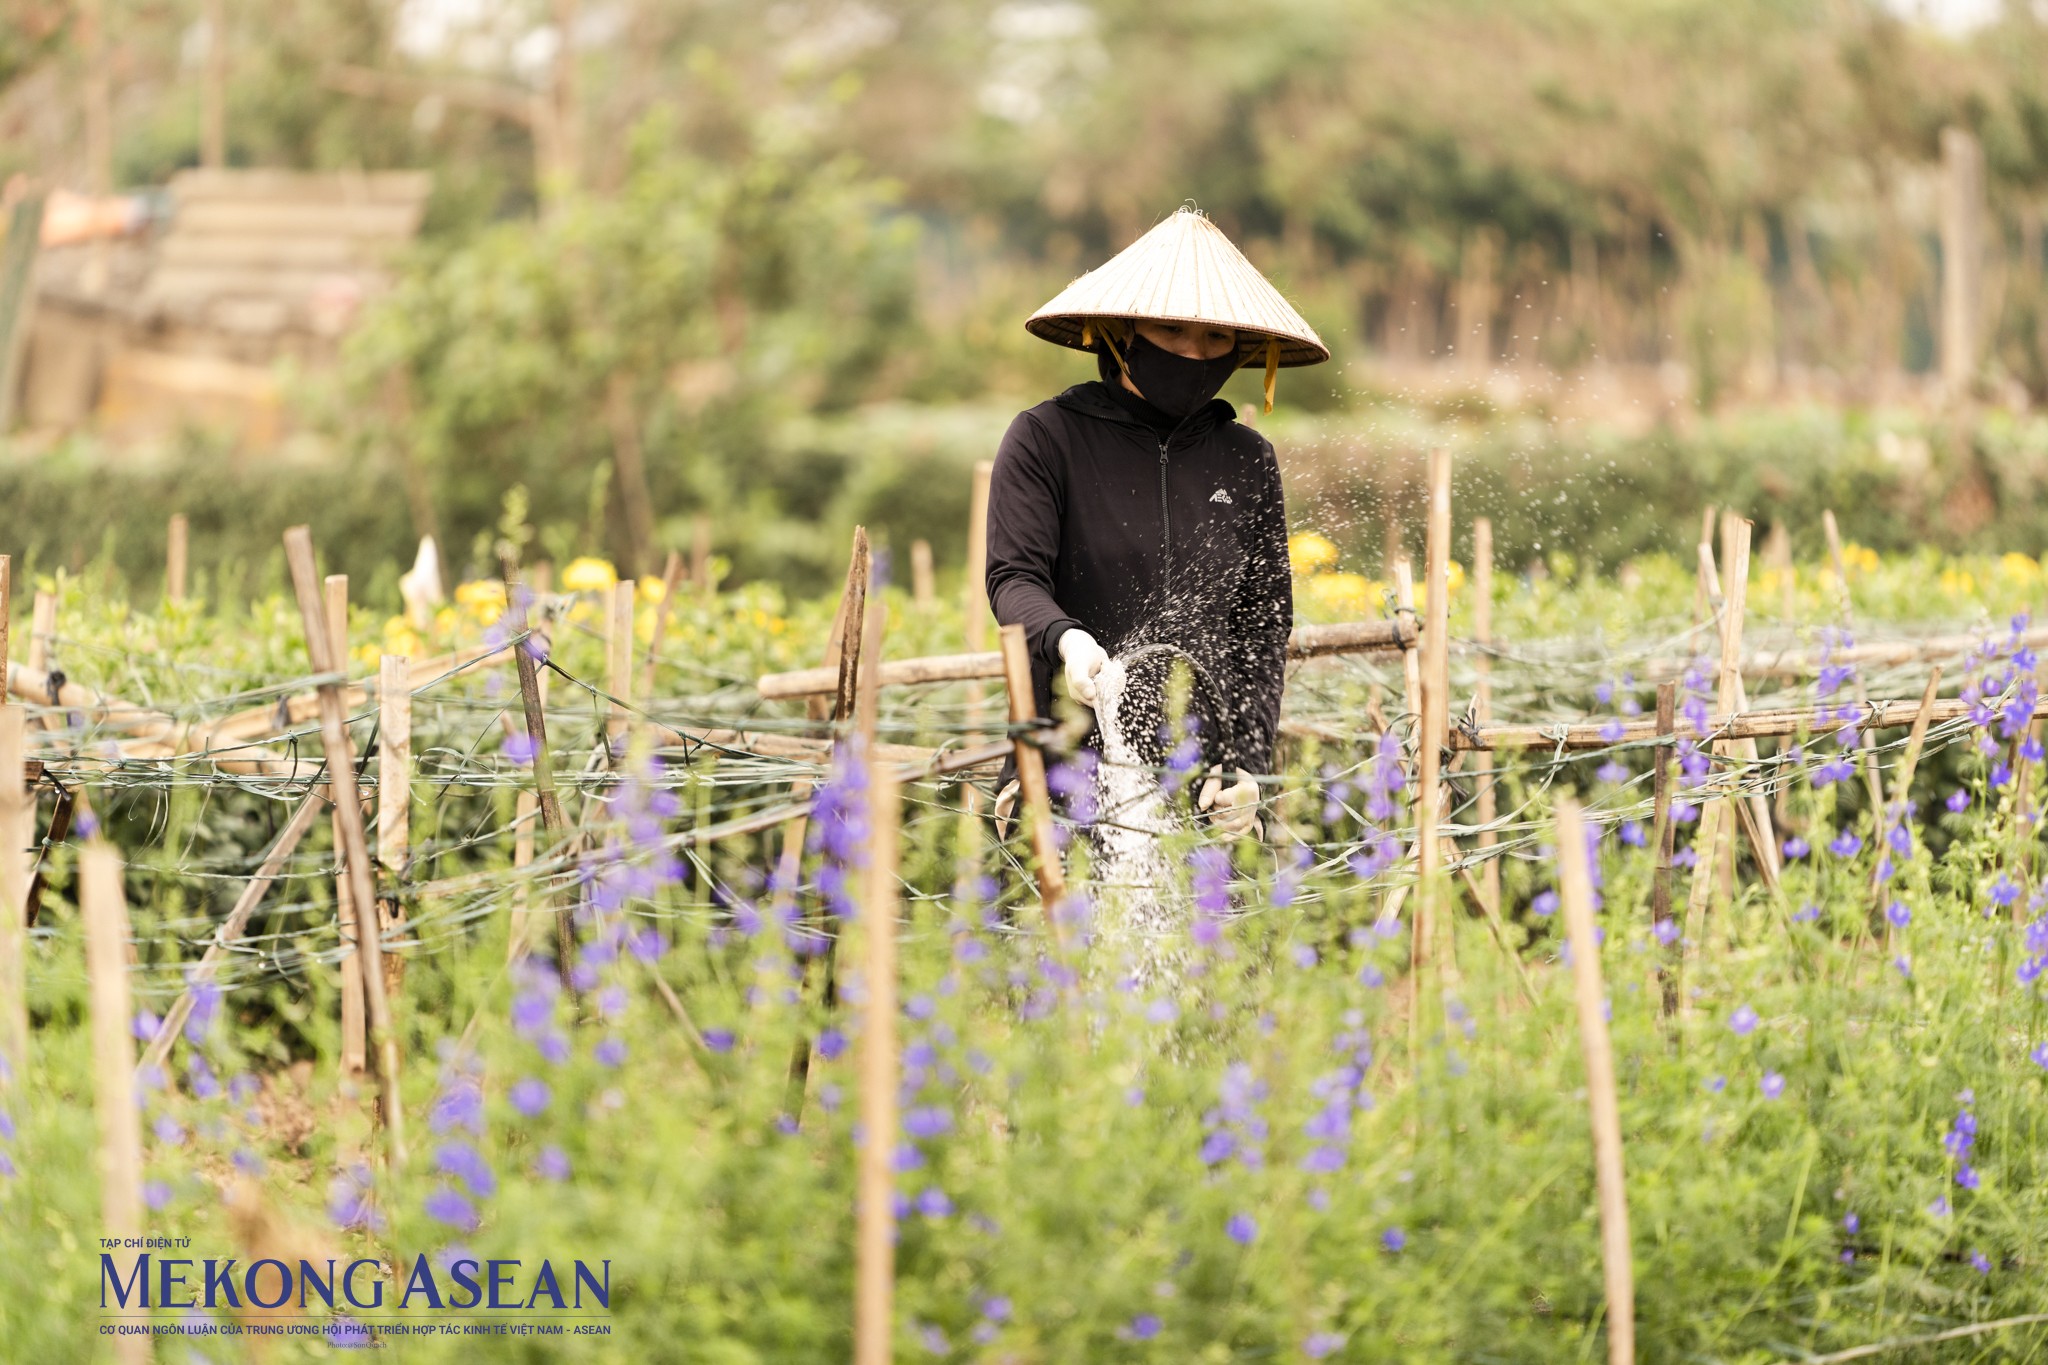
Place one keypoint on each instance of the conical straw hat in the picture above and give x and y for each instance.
(1184, 270)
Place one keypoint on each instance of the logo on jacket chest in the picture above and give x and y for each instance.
(1222, 495)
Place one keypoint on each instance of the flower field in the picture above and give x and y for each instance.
(641, 1039)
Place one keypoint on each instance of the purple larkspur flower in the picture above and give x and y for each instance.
(1546, 903)
(933, 1202)
(156, 1194)
(1241, 1228)
(1851, 1223)
(1980, 1262)
(1846, 844)
(529, 1095)
(1772, 1085)
(168, 1130)
(1899, 914)
(1394, 1240)
(1797, 848)
(1743, 1021)
(609, 1052)
(147, 1025)
(450, 1206)
(1665, 931)
(1958, 800)
(519, 748)
(467, 1164)
(349, 1199)
(1318, 1345)
(1144, 1327)
(552, 1163)
(206, 999)
(459, 1105)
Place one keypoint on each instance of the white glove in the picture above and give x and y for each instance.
(1233, 810)
(1084, 659)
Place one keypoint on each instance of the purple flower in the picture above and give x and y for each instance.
(1546, 903)
(1743, 1021)
(610, 1052)
(147, 1025)
(344, 1333)
(169, 1131)
(206, 999)
(1980, 1261)
(349, 1199)
(720, 1039)
(449, 1206)
(996, 1308)
(1144, 1327)
(1898, 914)
(1851, 1223)
(831, 1044)
(1772, 1085)
(1846, 845)
(529, 1096)
(1241, 1229)
(466, 1164)
(1394, 1240)
(1322, 1344)
(1665, 931)
(1797, 848)
(551, 1164)
(933, 1203)
(156, 1194)
(519, 748)
(1958, 800)
(459, 1105)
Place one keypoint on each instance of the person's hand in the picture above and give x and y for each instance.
(1083, 659)
(1234, 810)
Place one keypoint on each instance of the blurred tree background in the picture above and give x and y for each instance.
(768, 261)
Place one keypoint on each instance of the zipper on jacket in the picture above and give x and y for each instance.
(1165, 520)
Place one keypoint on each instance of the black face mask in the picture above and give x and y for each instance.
(1174, 384)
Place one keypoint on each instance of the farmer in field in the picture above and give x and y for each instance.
(1134, 519)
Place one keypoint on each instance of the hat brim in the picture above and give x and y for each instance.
(1065, 329)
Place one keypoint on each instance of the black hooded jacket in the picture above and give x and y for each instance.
(1106, 515)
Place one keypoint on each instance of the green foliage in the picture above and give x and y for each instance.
(684, 316)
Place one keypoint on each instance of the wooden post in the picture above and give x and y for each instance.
(1663, 825)
(535, 712)
(355, 1027)
(1778, 551)
(281, 849)
(1702, 598)
(105, 912)
(1411, 663)
(619, 670)
(1035, 801)
(1962, 258)
(348, 803)
(671, 583)
(16, 829)
(700, 554)
(1575, 885)
(394, 793)
(974, 627)
(1482, 699)
(174, 560)
(1434, 930)
(42, 631)
(875, 1233)
(922, 592)
(1754, 810)
(526, 812)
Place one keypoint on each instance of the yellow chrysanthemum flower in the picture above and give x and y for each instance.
(483, 598)
(652, 590)
(1346, 594)
(588, 574)
(1308, 551)
(2016, 565)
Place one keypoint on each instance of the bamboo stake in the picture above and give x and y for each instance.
(1575, 884)
(1482, 698)
(1662, 825)
(922, 592)
(208, 966)
(1035, 800)
(526, 813)
(394, 794)
(105, 912)
(700, 555)
(974, 630)
(16, 819)
(1434, 935)
(42, 631)
(671, 583)
(174, 560)
(334, 737)
(1839, 562)
(1756, 811)
(1411, 667)
(355, 1029)
(875, 1255)
(619, 665)
(1771, 724)
(1702, 597)
(534, 708)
